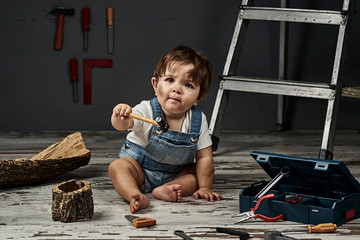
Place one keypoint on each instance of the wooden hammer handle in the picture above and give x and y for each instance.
(141, 118)
(59, 32)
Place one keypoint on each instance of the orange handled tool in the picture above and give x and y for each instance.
(140, 221)
(320, 228)
(110, 29)
(163, 126)
(144, 119)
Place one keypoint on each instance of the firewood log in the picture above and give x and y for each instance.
(66, 155)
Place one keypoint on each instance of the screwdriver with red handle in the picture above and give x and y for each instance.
(86, 27)
(74, 78)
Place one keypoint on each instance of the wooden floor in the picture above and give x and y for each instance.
(25, 212)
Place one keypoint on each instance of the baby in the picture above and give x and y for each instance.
(163, 162)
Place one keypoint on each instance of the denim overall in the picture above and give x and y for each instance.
(167, 152)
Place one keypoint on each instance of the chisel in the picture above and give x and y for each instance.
(86, 28)
(110, 29)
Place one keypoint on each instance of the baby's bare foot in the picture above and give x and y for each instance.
(138, 202)
(168, 192)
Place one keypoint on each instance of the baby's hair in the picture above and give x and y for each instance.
(201, 74)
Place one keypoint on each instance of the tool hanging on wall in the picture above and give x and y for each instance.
(86, 27)
(110, 30)
(61, 12)
(74, 79)
(87, 65)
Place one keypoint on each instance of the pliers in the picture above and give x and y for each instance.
(251, 214)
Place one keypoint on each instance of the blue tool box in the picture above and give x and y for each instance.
(328, 191)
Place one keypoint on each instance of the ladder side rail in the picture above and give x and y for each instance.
(328, 140)
(229, 68)
(283, 53)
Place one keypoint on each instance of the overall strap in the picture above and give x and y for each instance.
(156, 108)
(196, 120)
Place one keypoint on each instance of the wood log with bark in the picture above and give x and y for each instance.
(72, 201)
(66, 155)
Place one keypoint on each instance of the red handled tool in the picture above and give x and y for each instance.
(251, 214)
(86, 27)
(74, 79)
(60, 12)
(87, 65)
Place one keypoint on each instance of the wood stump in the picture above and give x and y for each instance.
(72, 201)
(68, 154)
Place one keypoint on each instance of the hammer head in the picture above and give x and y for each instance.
(62, 10)
(162, 124)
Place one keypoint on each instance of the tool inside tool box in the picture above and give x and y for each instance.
(326, 190)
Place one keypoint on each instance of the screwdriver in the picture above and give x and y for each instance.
(86, 28)
(320, 228)
(74, 78)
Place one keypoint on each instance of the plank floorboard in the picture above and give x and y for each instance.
(25, 212)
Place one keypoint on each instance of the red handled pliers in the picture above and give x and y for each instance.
(251, 214)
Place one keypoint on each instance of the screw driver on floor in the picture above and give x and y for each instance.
(320, 228)
(251, 214)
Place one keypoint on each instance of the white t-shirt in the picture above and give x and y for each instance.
(141, 131)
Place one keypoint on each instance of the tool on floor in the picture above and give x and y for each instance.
(281, 86)
(182, 234)
(283, 172)
(251, 214)
(140, 221)
(86, 27)
(276, 235)
(320, 228)
(87, 65)
(242, 235)
(293, 198)
(163, 126)
(74, 79)
(110, 30)
(61, 12)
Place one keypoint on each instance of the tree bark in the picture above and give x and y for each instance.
(72, 201)
(66, 155)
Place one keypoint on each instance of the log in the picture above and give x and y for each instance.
(72, 201)
(59, 158)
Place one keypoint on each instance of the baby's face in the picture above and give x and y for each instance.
(176, 90)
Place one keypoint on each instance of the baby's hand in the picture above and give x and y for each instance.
(208, 194)
(122, 111)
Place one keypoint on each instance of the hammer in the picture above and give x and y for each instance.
(61, 12)
(158, 122)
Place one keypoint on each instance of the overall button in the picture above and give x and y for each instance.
(127, 146)
(193, 139)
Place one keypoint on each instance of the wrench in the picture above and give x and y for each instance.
(181, 233)
(283, 172)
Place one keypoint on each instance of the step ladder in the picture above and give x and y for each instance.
(283, 87)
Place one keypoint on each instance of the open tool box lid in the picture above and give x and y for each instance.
(312, 175)
(328, 191)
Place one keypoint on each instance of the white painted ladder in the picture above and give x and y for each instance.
(329, 91)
